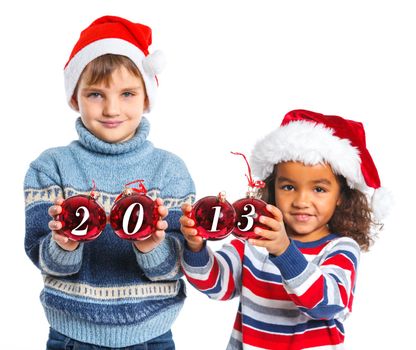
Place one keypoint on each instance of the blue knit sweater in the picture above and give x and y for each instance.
(106, 292)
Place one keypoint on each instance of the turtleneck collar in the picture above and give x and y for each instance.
(90, 141)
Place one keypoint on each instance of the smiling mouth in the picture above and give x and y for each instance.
(111, 124)
(302, 217)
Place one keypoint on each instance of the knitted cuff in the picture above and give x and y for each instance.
(196, 259)
(63, 256)
(155, 257)
(57, 261)
(291, 263)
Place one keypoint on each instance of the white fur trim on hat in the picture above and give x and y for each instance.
(310, 144)
(115, 46)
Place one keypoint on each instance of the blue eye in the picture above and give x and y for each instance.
(128, 94)
(94, 94)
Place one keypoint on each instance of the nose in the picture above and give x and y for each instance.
(111, 107)
(301, 200)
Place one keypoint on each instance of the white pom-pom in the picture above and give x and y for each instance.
(154, 63)
(381, 203)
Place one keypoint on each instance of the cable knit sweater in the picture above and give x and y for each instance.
(106, 292)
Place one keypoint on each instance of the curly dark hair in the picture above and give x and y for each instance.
(352, 217)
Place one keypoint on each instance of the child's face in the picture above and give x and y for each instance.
(112, 113)
(307, 197)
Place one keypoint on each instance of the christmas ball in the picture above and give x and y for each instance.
(248, 212)
(134, 216)
(214, 217)
(82, 218)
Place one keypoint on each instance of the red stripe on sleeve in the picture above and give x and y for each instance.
(239, 247)
(208, 283)
(230, 287)
(312, 296)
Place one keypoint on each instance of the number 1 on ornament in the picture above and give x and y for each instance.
(214, 217)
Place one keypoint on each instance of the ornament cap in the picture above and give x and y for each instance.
(222, 196)
(253, 192)
(93, 194)
(128, 191)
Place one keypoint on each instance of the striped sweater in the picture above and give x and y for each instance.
(106, 292)
(298, 300)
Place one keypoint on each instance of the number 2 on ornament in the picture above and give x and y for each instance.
(76, 231)
(82, 218)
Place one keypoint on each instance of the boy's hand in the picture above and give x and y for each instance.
(158, 236)
(195, 242)
(274, 240)
(63, 241)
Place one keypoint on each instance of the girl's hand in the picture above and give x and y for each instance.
(63, 241)
(195, 242)
(274, 240)
(158, 236)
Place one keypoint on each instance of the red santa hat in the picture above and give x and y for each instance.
(115, 35)
(313, 138)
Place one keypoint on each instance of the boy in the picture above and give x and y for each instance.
(109, 292)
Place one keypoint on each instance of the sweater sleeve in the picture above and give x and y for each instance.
(218, 274)
(324, 290)
(41, 188)
(163, 262)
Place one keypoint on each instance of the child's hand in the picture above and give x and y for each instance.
(158, 236)
(274, 240)
(195, 242)
(63, 241)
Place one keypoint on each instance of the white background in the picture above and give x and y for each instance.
(234, 69)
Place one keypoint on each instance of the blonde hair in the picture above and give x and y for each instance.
(101, 68)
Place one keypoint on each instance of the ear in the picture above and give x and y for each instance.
(74, 103)
(339, 201)
(146, 103)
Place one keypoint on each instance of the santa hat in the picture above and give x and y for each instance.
(313, 138)
(115, 35)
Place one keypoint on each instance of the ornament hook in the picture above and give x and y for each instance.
(253, 186)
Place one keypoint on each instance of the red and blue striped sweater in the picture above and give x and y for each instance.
(298, 300)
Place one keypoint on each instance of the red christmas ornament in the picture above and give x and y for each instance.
(82, 218)
(214, 217)
(249, 209)
(134, 214)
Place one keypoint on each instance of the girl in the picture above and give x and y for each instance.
(296, 283)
